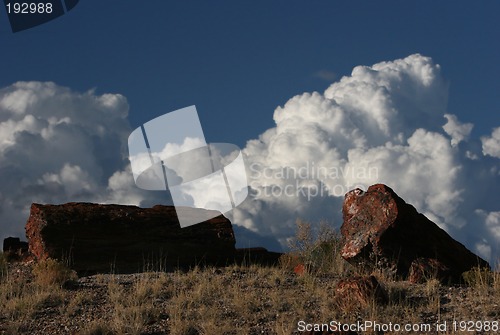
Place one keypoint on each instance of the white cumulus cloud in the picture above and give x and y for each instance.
(491, 144)
(382, 124)
(57, 146)
(385, 123)
(457, 130)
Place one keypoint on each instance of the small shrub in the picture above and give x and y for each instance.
(303, 241)
(51, 272)
(289, 261)
(432, 287)
(478, 277)
(318, 250)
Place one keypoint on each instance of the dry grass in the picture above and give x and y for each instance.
(317, 249)
(247, 299)
(50, 272)
(3, 266)
(22, 300)
(133, 306)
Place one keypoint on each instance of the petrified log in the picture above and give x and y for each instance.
(102, 238)
(14, 245)
(355, 292)
(15, 249)
(381, 230)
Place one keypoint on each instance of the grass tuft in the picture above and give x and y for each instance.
(50, 272)
(318, 250)
(3, 266)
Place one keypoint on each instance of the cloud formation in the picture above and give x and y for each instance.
(57, 146)
(385, 123)
(457, 130)
(491, 144)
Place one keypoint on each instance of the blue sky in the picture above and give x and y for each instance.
(237, 61)
(251, 68)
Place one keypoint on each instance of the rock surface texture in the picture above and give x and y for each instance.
(354, 292)
(104, 238)
(422, 269)
(381, 230)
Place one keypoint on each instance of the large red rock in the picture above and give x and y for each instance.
(103, 238)
(381, 230)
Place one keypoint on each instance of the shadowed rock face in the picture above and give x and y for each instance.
(101, 238)
(380, 229)
(422, 269)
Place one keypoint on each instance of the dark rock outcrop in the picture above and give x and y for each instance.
(15, 245)
(257, 255)
(15, 249)
(381, 230)
(104, 238)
